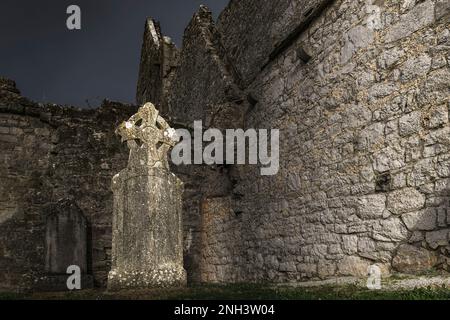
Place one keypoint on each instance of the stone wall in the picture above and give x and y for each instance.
(49, 154)
(364, 146)
(159, 60)
(359, 91)
(254, 31)
(363, 170)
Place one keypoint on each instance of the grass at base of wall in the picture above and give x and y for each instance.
(244, 291)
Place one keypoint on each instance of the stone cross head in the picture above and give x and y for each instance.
(148, 136)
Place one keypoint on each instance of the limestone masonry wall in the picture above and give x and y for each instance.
(364, 149)
(360, 92)
(52, 154)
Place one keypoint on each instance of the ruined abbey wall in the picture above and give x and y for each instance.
(52, 154)
(359, 91)
(364, 146)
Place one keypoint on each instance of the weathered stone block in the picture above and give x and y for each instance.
(7, 212)
(4, 130)
(390, 57)
(420, 220)
(442, 217)
(411, 259)
(416, 236)
(371, 137)
(326, 269)
(371, 206)
(442, 187)
(409, 124)
(389, 158)
(307, 269)
(442, 9)
(353, 266)
(437, 116)
(366, 247)
(350, 244)
(356, 38)
(415, 67)
(8, 138)
(417, 18)
(437, 238)
(391, 229)
(287, 267)
(380, 90)
(405, 200)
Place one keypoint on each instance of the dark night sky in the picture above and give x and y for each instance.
(52, 64)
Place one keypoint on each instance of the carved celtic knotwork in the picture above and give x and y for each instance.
(148, 136)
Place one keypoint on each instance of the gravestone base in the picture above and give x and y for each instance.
(58, 283)
(162, 277)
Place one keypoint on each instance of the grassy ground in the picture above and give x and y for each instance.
(246, 291)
